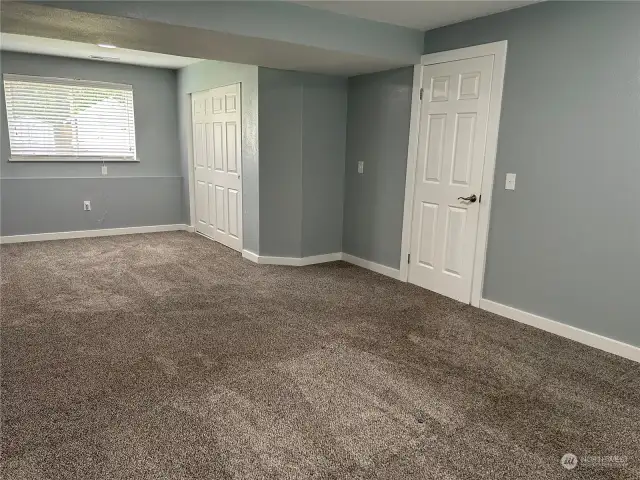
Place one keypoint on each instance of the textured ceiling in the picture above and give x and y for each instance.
(421, 15)
(142, 35)
(65, 48)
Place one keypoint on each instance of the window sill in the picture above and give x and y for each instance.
(53, 159)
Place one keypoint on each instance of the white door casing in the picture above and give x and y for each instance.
(449, 168)
(216, 116)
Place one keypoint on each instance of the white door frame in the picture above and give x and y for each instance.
(499, 51)
(191, 175)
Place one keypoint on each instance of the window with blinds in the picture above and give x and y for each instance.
(58, 119)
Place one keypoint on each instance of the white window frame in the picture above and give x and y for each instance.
(70, 82)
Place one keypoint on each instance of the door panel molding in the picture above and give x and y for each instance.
(467, 90)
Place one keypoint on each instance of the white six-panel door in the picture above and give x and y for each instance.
(217, 164)
(202, 161)
(452, 137)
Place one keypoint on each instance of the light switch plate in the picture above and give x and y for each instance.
(360, 167)
(87, 205)
(510, 182)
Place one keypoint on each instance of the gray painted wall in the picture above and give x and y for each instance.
(566, 243)
(280, 100)
(38, 205)
(48, 197)
(302, 145)
(377, 134)
(324, 136)
(211, 74)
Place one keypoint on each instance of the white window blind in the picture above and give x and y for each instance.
(60, 119)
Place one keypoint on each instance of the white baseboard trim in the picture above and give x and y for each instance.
(253, 257)
(291, 261)
(369, 265)
(592, 339)
(105, 232)
(329, 257)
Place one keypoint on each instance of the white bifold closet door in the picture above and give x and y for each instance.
(217, 133)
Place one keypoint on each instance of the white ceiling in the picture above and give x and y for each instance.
(65, 48)
(418, 14)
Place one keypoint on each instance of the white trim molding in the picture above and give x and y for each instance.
(329, 257)
(291, 261)
(249, 255)
(105, 232)
(499, 52)
(373, 266)
(582, 336)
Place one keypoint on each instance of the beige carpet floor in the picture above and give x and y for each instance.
(168, 356)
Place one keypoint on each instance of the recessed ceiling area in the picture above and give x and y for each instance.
(65, 48)
(421, 15)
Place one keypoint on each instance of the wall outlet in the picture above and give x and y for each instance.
(510, 182)
(360, 167)
(87, 205)
(104, 169)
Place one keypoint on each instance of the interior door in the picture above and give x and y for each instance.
(218, 164)
(203, 162)
(453, 128)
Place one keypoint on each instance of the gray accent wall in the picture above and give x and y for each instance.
(40, 197)
(566, 243)
(378, 134)
(302, 155)
(204, 76)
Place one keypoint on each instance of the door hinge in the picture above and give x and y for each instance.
(409, 259)
(421, 93)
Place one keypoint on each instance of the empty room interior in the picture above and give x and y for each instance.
(325, 239)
